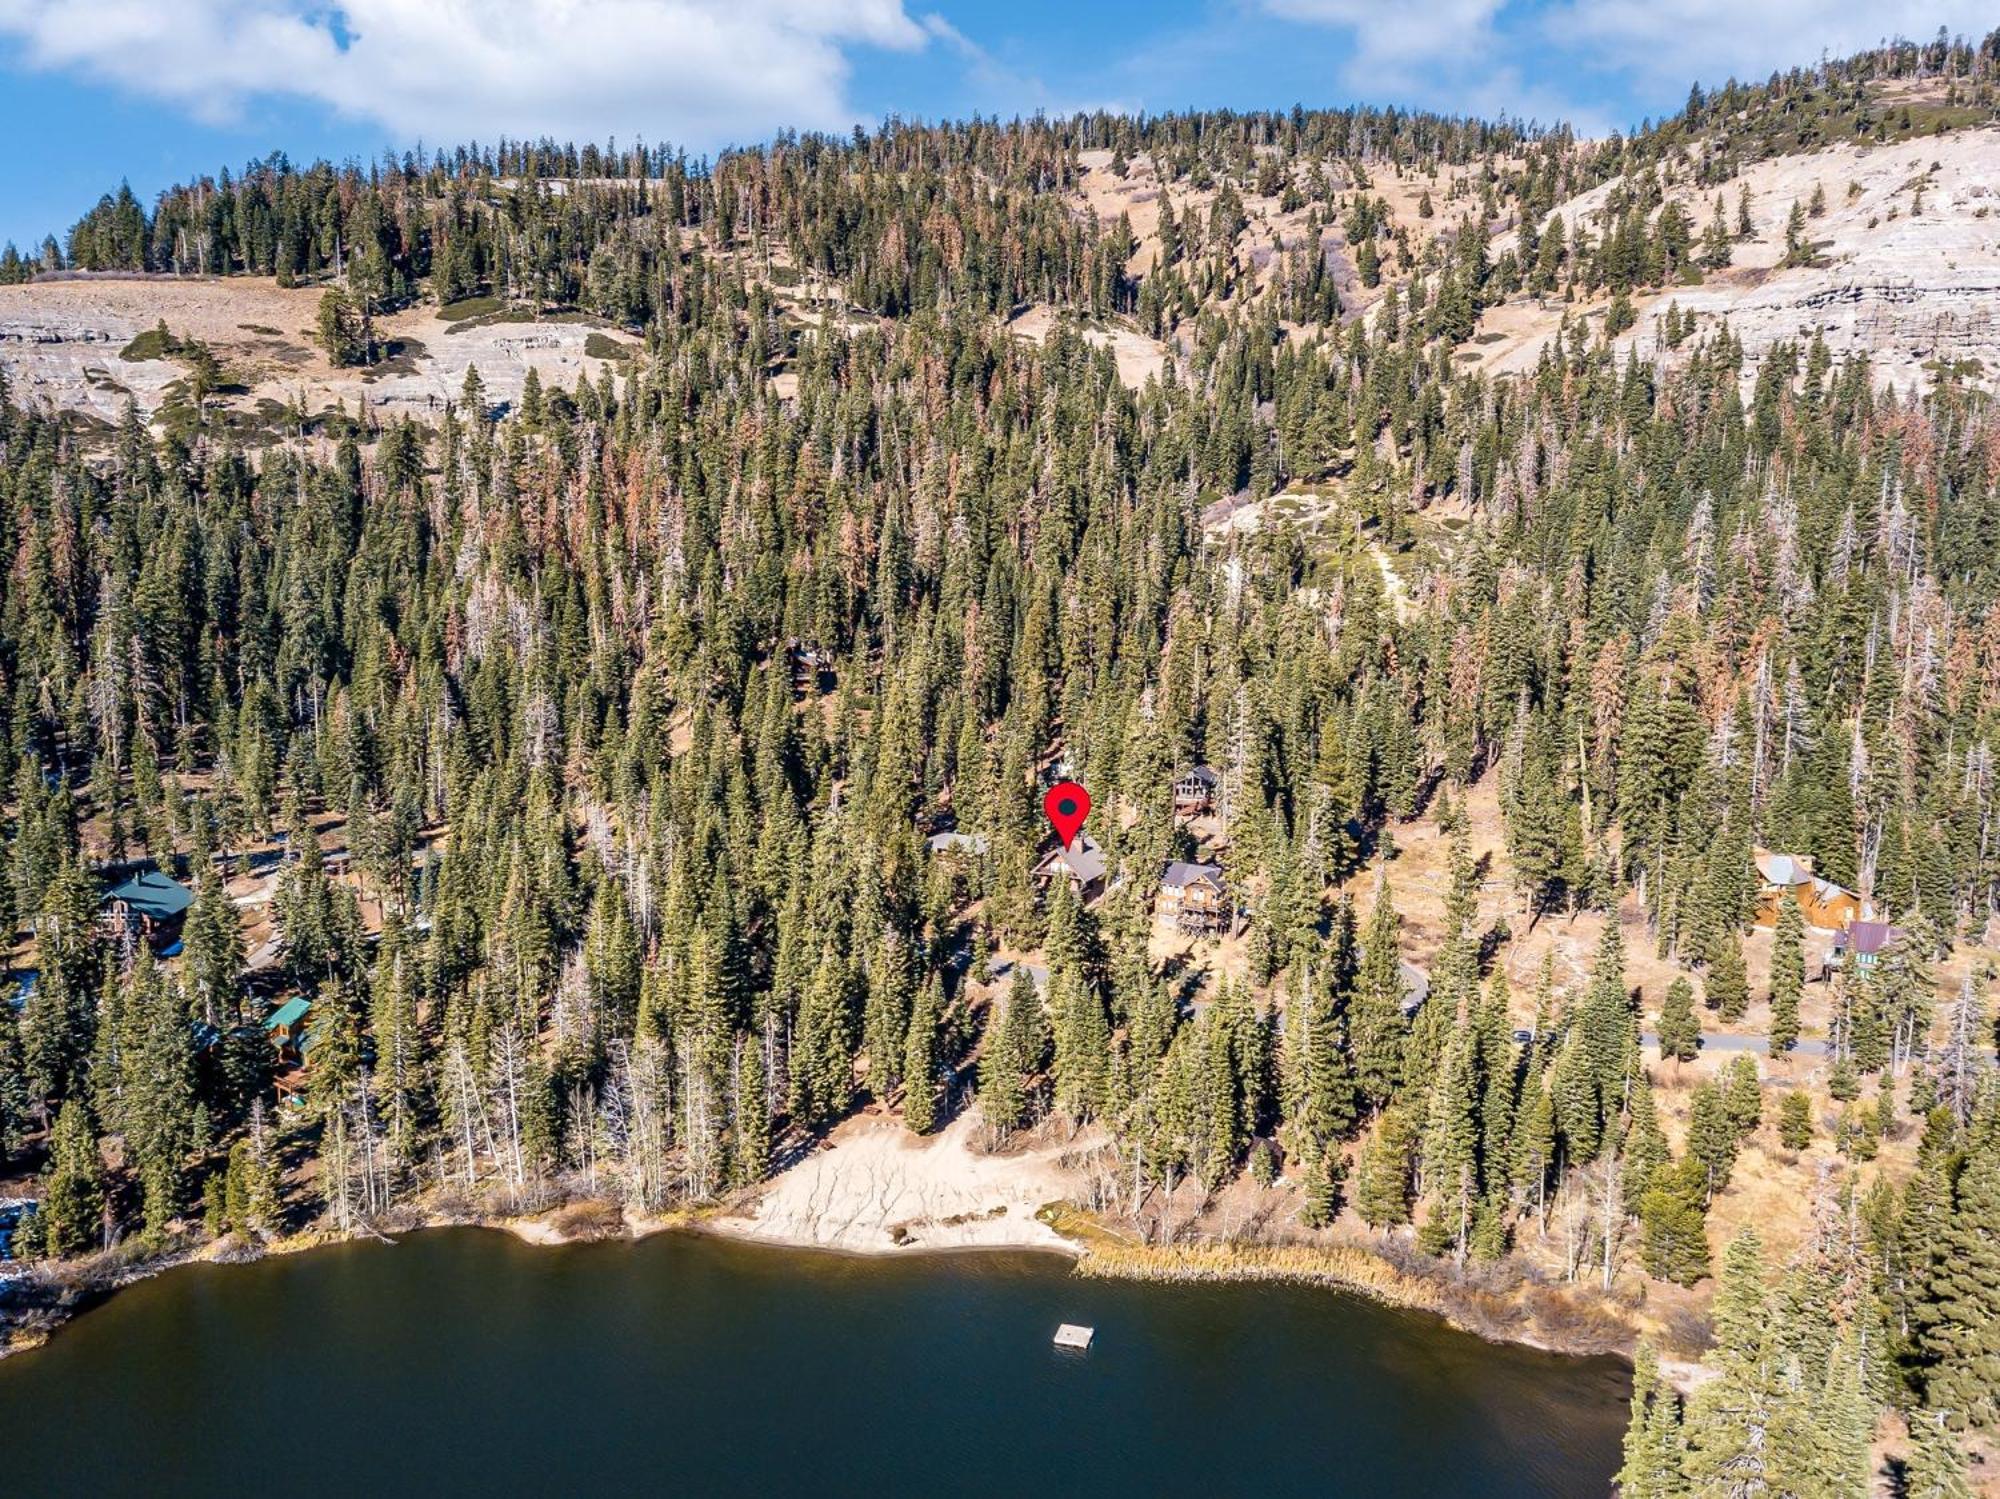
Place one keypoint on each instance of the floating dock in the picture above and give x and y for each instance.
(1069, 1335)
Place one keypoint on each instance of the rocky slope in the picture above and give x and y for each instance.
(66, 342)
(1907, 265)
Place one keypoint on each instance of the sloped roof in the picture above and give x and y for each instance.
(1202, 773)
(1083, 861)
(1782, 869)
(952, 843)
(152, 894)
(1867, 937)
(1180, 874)
(291, 1012)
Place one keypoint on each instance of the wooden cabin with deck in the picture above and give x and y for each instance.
(1194, 791)
(143, 901)
(1195, 898)
(1082, 864)
(809, 664)
(1825, 905)
(286, 1028)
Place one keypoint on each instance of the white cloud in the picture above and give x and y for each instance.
(696, 72)
(1556, 60)
(1684, 41)
(1461, 46)
(1398, 32)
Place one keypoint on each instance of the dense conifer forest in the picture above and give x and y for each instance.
(635, 705)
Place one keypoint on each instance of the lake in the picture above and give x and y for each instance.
(465, 1362)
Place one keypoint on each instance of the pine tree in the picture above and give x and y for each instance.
(1732, 1421)
(920, 1061)
(14, 1097)
(1376, 1027)
(58, 1020)
(71, 1216)
(1956, 1067)
(1382, 1183)
(1450, 1151)
(1936, 1466)
(886, 1014)
(1655, 1450)
(346, 333)
(1534, 1141)
(156, 1112)
(1795, 1120)
(750, 1144)
(1679, 1031)
(1798, 249)
(1645, 1146)
(212, 937)
(1715, 240)
(1082, 1046)
(1741, 1300)
(1712, 1135)
(236, 1190)
(1004, 1063)
(1674, 1228)
(1743, 1094)
(822, 1052)
(1787, 975)
(1320, 1102)
(1221, 1131)
(1727, 983)
(1324, 1172)
(1962, 1344)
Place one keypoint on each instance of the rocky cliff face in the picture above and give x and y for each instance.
(1907, 263)
(63, 341)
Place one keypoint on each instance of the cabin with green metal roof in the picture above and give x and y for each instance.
(286, 1026)
(145, 901)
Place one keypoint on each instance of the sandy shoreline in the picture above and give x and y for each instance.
(877, 1189)
(872, 1189)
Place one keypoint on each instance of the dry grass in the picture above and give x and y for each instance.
(588, 1221)
(1345, 1266)
(1498, 1304)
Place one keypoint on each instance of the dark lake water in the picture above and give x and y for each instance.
(463, 1362)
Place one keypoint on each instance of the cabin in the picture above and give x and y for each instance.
(286, 1027)
(1194, 791)
(1082, 864)
(809, 664)
(957, 845)
(144, 901)
(1866, 940)
(1194, 897)
(1825, 905)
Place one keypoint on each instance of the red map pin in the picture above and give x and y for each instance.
(1066, 805)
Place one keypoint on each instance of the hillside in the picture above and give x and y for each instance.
(608, 792)
(83, 346)
(1906, 265)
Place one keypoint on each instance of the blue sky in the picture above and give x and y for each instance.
(92, 91)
